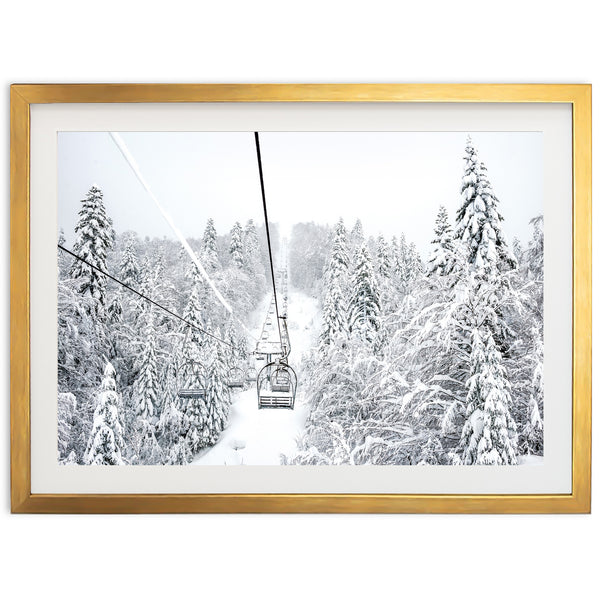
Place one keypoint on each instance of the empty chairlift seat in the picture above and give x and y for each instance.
(191, 381)
(276, 386)
(251, 375)
(236, 378)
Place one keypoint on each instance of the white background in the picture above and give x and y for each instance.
(314, 557)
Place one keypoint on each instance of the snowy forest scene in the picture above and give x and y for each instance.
(300, 298)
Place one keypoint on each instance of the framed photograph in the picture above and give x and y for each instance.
(301, 298)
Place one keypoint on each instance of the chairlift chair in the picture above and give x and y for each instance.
(276, 386)
(192, 381)
(236, 378)
(251, 375)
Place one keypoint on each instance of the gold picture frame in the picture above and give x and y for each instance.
(23, 501)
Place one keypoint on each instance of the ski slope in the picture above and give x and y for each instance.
(260, 437)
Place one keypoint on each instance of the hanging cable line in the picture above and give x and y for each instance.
(276, 382)
(128, 287)
(262, 189)
(118, 140)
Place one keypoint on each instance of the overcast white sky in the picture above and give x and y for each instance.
(392, 181)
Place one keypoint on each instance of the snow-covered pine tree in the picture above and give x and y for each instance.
(147, 385)
(94, 237)
(442, 244)
(63, 257)
(414, 264)
(218, 396)
(235, 352)
(210, 254)
(517, 249)
(145, 445)
(129, 270)
(172, 429)
(357, 237)
(489, 433)
(533, 432)
(67, 408)
(532, 435)
(193, 319)
(364, 307)
(114, 313)
(335, 317)
(535, 250)
(251, 245)
(105, 443)
(236, 249)
(192, 373)
(384, 264)
(402, 264)
(478, 222)
(395, 256)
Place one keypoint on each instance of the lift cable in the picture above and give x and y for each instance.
(128, 287)
(120, 144)
(262, 189)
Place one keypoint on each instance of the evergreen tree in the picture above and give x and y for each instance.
(364, 307)
(106, 438)
(402, 264)
(478, 222)
(218, 396)
(235, 352)
(209, 247)
(145, 445)
(533, 431)
(115, 309)
(236, 249)
(147, 390)
(442, 244)
(535, 250)
(192, 375)
(357, 237)
(517, 249)
(63, 257)
(193, 324)
(335, 317)
(395, 257)
(172, 428)
(384, 264)
(67, 409)
(130, 269)
(94, 237)
(413, 263)
(488, 436)
(251, 241)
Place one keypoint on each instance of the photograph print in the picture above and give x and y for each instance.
(300, 298)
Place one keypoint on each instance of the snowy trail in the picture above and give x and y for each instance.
(259, 437)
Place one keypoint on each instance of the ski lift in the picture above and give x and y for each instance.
(192, 376)
(276, 386)
(286, 347)
(251, 375)
(236, 378)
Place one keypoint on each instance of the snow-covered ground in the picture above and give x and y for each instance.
(259, 437)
